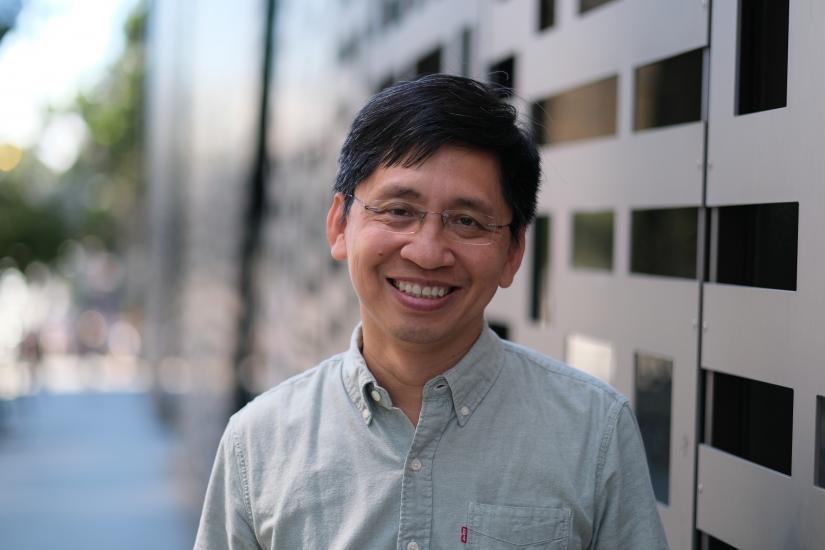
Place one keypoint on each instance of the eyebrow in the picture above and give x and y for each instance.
(400, 191)
(472, 204)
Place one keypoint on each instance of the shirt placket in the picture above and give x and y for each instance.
(415, 525)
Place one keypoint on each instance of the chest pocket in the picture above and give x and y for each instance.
(494, 527)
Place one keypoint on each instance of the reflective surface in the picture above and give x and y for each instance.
(758, 245)
(593, 240)
(654, 388)
(669, 91)
(753, 420)
(587, 5)
(540, 270)
(591, 355)
(585, 112)
(664, 242)
(819, 463)
(547, 13)
(503, 73)
(763, 55)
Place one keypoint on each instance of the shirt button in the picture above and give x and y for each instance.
(465, 410)
(415, 465)
(375, 395)
(412, 545)
(365, 413)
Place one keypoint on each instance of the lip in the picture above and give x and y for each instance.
(422, 304)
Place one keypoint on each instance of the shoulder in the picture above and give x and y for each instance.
(558, 382)
(290, 400)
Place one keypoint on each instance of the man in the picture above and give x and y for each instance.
(431, 432)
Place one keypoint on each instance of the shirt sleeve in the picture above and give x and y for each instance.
(626, 513)
(226, 520)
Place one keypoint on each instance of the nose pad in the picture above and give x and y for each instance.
(429, 247)
(438, 225)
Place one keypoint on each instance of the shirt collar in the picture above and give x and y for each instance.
(470, 379)
(357, 377)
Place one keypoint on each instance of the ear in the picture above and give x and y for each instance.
(336, 228)
(515, 253)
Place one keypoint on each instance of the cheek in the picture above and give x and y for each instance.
(362, 264)
(490, 273)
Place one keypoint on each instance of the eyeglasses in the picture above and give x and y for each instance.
(464, 226)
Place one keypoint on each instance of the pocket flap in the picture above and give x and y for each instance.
(519, 525)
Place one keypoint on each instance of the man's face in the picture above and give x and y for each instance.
(382, 263)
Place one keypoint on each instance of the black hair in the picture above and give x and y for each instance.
(408, 122)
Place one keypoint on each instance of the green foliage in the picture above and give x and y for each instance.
(97, 196)
(29, 230)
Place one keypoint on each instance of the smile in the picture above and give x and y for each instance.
(419, 291)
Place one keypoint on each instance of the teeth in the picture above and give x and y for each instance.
(418, 291)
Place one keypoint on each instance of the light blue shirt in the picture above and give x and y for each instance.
(512, 450)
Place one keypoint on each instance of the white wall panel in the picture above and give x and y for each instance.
(764, 334)
(754, 508)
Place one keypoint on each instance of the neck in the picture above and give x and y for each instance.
(403, 368)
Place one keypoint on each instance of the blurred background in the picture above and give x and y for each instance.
(165, 171)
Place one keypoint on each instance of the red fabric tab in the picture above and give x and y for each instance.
(464, 534)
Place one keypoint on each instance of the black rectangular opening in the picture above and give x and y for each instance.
(537, 121)
(712, 543)
(753, 420)
(584, 112)
(503, 76)
(547, 14)
(587, 5)
(388, 81)
(390, 12)
(763, 56)
(593, 240)
(539, 274)
(654, 387)
(757, 245)
(501, 329)
(669, 91)
(663, 242)
(819, 462)
(429, 63)
(466, 51)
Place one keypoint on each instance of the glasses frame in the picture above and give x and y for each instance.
(494, 228)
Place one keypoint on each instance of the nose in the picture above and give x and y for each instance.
(429, 247)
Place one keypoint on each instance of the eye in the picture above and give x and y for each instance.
(464, 220)
(467, 220)
(398, 210)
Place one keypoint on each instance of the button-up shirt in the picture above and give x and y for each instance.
(512, 450)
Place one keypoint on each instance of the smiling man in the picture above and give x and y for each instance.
(430, 432)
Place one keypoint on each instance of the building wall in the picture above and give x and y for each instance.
(203, 93)
(676, 255)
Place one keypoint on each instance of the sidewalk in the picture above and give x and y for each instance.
(90, 471)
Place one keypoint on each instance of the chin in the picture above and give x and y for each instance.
(417, 335)
(423, 332)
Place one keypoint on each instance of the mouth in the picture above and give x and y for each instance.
(418, 290)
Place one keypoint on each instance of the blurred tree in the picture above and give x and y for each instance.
(31, 227)
(110, 167)
(98, 194)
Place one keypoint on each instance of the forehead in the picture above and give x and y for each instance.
(450, 175)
